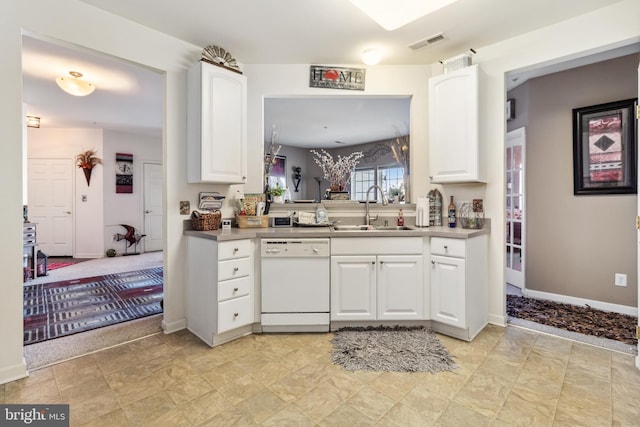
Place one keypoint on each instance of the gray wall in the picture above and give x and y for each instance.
(575, 244)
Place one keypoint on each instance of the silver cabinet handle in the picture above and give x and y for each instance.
(68, 212)
(235, 269)
(235, 289)
(235, 314)
(147, 211)
(433, 262)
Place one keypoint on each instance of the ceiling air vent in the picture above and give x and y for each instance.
(428, 41)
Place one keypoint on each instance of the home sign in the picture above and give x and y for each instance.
(336, 77)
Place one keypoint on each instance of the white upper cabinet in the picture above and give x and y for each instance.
(455, 154)
(216, 125)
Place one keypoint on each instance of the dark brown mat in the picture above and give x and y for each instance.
(583, 320)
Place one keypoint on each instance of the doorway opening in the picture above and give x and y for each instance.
(124, 114)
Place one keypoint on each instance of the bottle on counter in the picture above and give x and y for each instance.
(452, 213)
(400, 218)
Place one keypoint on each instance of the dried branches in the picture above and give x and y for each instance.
(337, 172)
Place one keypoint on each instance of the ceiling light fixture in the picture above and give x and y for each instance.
(371, 56)
(392, 15)
(75, 86)
(33, 121)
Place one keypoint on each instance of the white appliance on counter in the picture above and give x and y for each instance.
(295, 285)
(422, 211)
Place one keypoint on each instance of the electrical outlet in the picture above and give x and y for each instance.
(620, 279)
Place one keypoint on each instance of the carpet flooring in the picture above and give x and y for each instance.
(390, 349)
(573, 318)
(62, 308)
(57, 265)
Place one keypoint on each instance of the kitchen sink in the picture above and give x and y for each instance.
(364, 227)
(392, 228)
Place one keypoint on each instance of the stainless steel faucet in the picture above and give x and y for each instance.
(367, 219)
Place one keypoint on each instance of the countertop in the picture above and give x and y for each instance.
(311, 232)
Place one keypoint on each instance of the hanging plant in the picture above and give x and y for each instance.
(86, 161)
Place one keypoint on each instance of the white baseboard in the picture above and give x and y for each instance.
(91, 255)
(15, 372)
(171, 327)
(497, 319)
(606, 306)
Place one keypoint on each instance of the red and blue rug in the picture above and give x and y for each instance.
(57, 309)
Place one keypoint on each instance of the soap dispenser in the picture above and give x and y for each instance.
(400, 218)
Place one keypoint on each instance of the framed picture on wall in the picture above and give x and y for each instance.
(278, 175)
(604, 149)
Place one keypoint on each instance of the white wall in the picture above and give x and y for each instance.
(125, 208)
(293, 79)
(67, 143)
(78, 23)
(601, 30)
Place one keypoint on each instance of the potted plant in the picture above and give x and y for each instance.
(278, 194)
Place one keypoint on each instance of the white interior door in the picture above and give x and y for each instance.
(152, 207)
(515, 212)
(50, 201)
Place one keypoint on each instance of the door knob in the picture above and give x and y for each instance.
(147, 211)
(68, 212)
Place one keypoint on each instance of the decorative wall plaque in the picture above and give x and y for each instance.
(336, 77)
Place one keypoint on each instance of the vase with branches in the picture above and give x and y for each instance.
(271, 150)
(400, 150)
(87, 160)
(337, 171)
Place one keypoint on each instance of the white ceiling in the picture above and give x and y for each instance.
(331, 32)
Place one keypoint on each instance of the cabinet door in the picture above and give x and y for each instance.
(448, 292)
(454, 150)
(353, 288)
(217, 125)
(400, 287)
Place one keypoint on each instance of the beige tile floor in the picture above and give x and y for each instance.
(506, 377)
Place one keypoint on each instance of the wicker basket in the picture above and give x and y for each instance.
(206, 221)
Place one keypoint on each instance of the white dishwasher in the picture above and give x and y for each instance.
(295, 285)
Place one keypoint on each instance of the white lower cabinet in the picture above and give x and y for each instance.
(220, 289)
(375, 285)
(459, 305)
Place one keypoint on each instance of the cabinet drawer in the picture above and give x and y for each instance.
(235, 313)
(234, 249)
(234, 288)
(448, 247)
(234, 268)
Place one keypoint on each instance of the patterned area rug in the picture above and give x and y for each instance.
(390, 349)
(574, 318)
(57, 265)
(57, 309)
